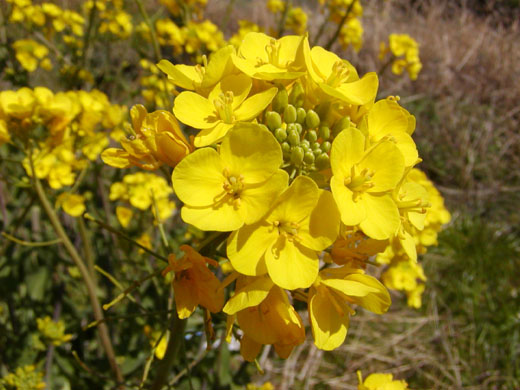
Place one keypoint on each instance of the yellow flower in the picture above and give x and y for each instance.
(354, 248)
(262, 57)
(158, 139)
(194, 284)
(222, 191)
(124, 215)
(228, 103)
(25, 377)
(380, 381)
(73, 204)
(303, 221)
(141, 190)
(388, 119)
(30, 54)
(53, 331)
(296, 20)
(200, 78)
(338, 78)
(330, 298)
(272, 320)
(352, 34)
(362, 180)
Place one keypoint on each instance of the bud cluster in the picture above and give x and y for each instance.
(305, 139)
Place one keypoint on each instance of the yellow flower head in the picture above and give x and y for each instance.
(158, 139)
(330, 298)
(222, 191)
(303, 221)
(227, 104)
(362, 180)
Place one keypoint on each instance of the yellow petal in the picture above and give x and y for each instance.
(297, 202)
(352, 213)
(254, 105)
(198, 180)
(347, 149)
(222, 217)
(124, 215)
(329, 328)
(195, 110)
(186, 298)
(184, 76)
(117, 158)
(249, 349)
(358, 92)
(212, 135)
(377, 301)
(382, 220)
(252, 294)
(387, 164)
(291, 265)
(256, 200)
(246, 248)
(238, 84)
(251, 151)
(323, 226)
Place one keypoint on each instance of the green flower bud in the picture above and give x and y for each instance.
(308, 158)
(273, 120)
(311, 136)
(312, 120)
(326, 146)
(305, 143)
(298, 128)
(322, 161)
(300, 115)
(280, 134)
(289, 114)
(316, 152)
(286, 149)
(297, 95)
(297, 154)
(280, 101)
(343, 123)
(324, 133)
(316, 146)
(293, 137)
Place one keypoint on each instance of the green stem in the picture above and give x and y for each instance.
(87, 248)
(281, 25)
(321, 30)
(229, 8)
(89, 283)
(177, 328)
(340, 26)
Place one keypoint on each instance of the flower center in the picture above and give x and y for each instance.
(359, 182)
(224, 106)
(339, 74)
(233, 184)
(414, 205)
(287, 229)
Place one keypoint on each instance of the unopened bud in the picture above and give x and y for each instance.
(297, 155)
(297, 95)
(286, 149)
(342, 124)
(309, 158)
(311, 136)
(273, 120)
(289, 114)
(324, 133)
(326, 146)
(300, 115)
(312, 120)
(280, 134)
(280, 101)
(293, 137)
(322, 161)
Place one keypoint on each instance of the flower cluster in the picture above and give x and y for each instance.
(404, 54)
(144, 191)
(22, 378)
(308, 174)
